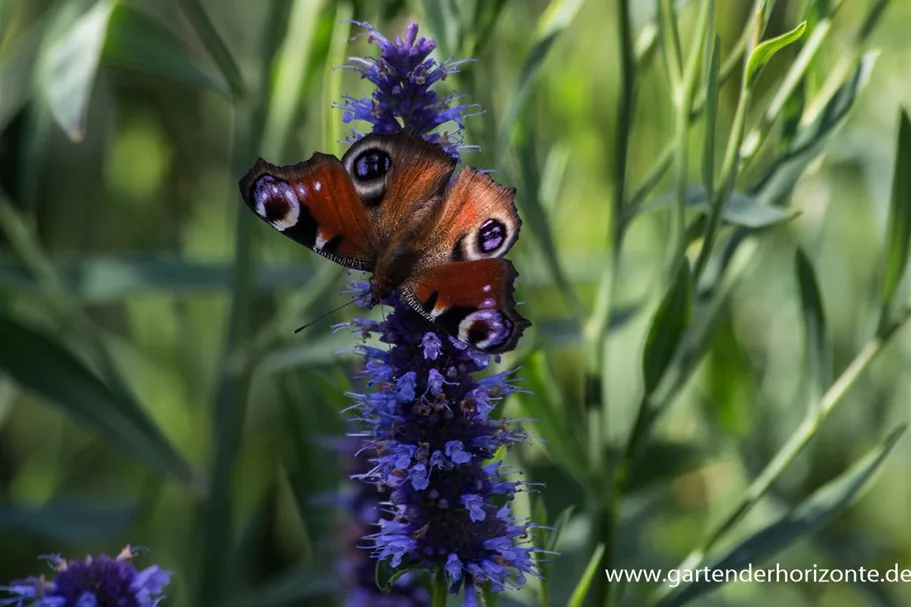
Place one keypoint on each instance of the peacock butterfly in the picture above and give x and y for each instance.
(391, 207)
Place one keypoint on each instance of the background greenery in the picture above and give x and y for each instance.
(151, 392)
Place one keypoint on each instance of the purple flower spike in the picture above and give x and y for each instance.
(431, 453)
(430, 439)
(100, 581)
(403, 75)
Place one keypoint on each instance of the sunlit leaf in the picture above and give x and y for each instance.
(668, 327)
(138, 42)
(767, 49)
(805, 519)
(898, 228)
(42, 366)
(68, 68)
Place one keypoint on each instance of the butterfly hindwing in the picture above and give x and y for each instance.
(472, 300)
(316, 204)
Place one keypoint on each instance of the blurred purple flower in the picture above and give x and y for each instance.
(100, 581)
(404, 75)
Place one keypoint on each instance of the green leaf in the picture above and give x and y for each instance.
(668, 327)
(898, 228)
(44, 367)
(107, 278)
(807, 518)
(778, 181)
(137, 41)
(69, 521)
(68, 68)
(766, 50)
(558, 16)
(818, 351)
(742, 210)
(581, 589)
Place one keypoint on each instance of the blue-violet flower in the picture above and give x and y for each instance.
(100, 581)
(404, 75)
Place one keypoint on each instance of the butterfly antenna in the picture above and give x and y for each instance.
(322, 316)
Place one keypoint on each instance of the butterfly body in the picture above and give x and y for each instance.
(390, 206)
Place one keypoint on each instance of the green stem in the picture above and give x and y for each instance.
(666, 156)
(599, 322)
(439, 591)
(796, 443)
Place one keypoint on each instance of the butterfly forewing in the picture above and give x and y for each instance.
(398, 177)
(316, 204)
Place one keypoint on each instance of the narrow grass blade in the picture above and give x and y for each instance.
(766, 50)
(591, 570)
(898, 231)
(817, 349)
(137, 41)
(43, 367)
(807, 518)
(558, 16)
(668, 327)
(68, 67)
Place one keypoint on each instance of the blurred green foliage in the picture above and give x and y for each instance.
(713, 258)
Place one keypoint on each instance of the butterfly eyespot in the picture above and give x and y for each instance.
(491, 236)
(485, 329)
(276, 202)
(372, 164)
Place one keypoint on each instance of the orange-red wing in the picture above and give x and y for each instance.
(478, 220)
(472, 300)
(315, 203)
